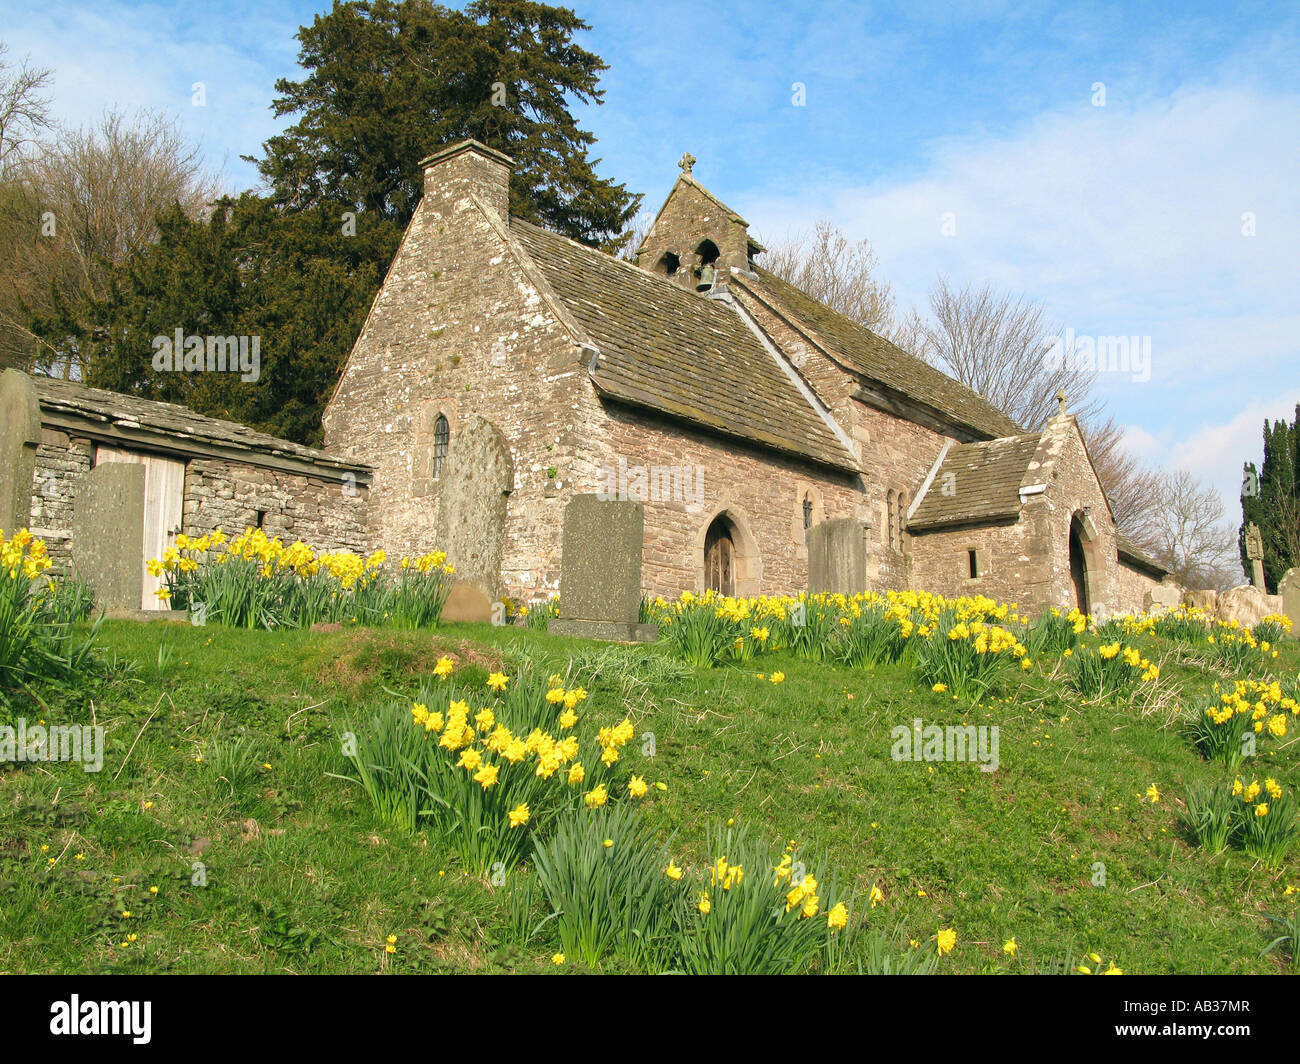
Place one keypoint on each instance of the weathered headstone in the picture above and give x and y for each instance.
(20, 432)
(467, 601)
(108, 534)
(837, 556)
(1255, 554)
(1247, 605)
(600, 571)
(1289, 588)
(472, 495)
(1162, 596)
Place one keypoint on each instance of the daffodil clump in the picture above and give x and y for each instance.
(253, 581)
(602, 873)
(1259, 817)
(967, 657)
(1110, 669)
(1272, 628)
(1052, 632)
(1183, 623)
(36, 616)
(1234, 647)
(756, 909)
(862, 629)
(1252, 712)
(490, 767)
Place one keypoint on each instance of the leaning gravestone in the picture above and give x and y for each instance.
(20, 433)
(600, 571)
(108, 534)
(1289, 588)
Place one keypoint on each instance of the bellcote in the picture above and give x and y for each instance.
(693, 231)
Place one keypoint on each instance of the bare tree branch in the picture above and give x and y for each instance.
(24, 108)
(825, 264)
(995, 343)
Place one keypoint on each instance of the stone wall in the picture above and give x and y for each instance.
(61, 463)
(760, 492)
(1133, 586)
(325, 514)
(459, 330)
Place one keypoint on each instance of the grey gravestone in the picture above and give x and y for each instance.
(472, 493)
(108, 534)
(837, 556)
(20, 433)
(600, 571)
(1289, 588)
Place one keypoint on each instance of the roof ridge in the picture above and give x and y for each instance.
(919, 365)
(607, 256)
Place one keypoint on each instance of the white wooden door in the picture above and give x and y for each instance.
(164, 493)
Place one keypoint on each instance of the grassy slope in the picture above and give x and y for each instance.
(302, 878)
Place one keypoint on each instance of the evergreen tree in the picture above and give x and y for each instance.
(1270, 498)
(391, 81)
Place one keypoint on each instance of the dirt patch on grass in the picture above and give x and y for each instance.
(366, 657)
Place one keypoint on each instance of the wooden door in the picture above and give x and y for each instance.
(719, 559)
(164, 492)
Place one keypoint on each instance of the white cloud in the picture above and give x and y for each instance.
(1124, 220)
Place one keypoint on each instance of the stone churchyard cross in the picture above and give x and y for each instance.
(1255, 554)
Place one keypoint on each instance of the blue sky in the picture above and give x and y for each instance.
(1124, 219)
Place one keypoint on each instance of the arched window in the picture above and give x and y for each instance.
(708, 252)
(668, 264)
(441, 437)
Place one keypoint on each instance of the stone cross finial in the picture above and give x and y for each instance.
(1060, 402)
(686, 162)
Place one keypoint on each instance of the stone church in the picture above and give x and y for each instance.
(503, 369)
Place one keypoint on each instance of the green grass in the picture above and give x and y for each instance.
(302, 877)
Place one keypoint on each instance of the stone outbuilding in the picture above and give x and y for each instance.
(107, 480)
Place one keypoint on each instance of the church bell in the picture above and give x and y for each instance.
(706, 278)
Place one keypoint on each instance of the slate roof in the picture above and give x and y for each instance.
(678, 353)
(126, 417)
(882, 362)
(1130, 550)
(985, 478)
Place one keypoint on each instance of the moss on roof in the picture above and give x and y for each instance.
(679, 353)
(976, 482)
(127, 414)
(882, 362)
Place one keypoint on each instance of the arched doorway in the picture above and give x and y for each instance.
(1078, 567)
(720, 557)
